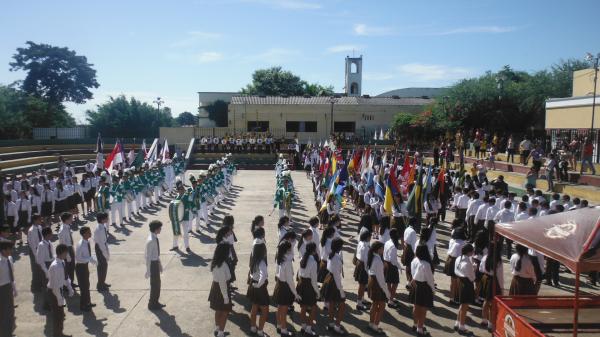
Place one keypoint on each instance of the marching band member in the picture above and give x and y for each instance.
(118, 193)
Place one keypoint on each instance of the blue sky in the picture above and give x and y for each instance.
(175, 48)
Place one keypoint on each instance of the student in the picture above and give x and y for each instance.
(360, 271)
(305, 238)
(5, 234)
(285, 289)
(57, 281)
(521, 267)
(308, 289)
(423, 288)
(259, 221)
(228, 222)
(65, 237)
(316, 236)
(83, 256)
(24, 215)
(257, 286)
(47, 207)
(332, 290)
(392, 274)
(486, 267)
(472, 208)
(219, 298)
(378, 291)
(465, 271)
(457, 242)
(100, 237)
(8, 289)
(44, 257)
(408, 252)
(325, 243)
(283, 226)
(34, 237)
(153, 265)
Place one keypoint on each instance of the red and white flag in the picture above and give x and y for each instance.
(115, 157)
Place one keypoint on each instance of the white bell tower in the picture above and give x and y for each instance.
(353, 76)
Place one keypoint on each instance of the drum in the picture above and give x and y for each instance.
(176, 214)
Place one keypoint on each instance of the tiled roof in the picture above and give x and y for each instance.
(345, 100)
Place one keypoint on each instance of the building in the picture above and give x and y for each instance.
(206, 98)
(415, 92)
(353, 76)
(572, 116)
(314, 118)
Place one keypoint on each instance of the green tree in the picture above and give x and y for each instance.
(316, 89)
(187, 118)
(55, 74)
(275, 81)
(218, 112)
(122, 117)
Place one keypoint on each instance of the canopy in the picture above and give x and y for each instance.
(565, 237)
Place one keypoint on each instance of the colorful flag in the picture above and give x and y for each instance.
(115, 157)
(414, 202)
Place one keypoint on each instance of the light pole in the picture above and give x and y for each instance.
(332, 100)
(158, 101)
(594, 60)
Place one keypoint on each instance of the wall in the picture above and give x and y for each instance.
(177, 136)
(572, 117)
(583, 82)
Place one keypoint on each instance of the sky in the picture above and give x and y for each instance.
(173, 49)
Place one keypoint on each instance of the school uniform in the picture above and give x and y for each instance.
(390, 256)
(486, 290)
(65, 236)
(57, 281)
(332, 289)
(153, 269)
(360, 269)
(218, 297)
(100, 237)
(307, 287)
(523, 281)
(47, 198)
(34, 237)
(376, 288)
(24, 209)
(421, 292)
(454, 251)
(324, 257)
(12, 216)
(472, 208)
(83, 256)
(44, 258)
(465, 271)
(480, 216)
(490, 213)
(285, 289)
(8, 292)
(257, 287)
(410, 245)
(60, 201)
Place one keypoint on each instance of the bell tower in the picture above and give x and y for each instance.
(353, 76)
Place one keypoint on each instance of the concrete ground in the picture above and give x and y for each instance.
(186, 278)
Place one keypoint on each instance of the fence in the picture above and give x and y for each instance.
(61, 133)
(227, 131)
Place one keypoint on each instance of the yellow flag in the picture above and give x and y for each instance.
(388, 201)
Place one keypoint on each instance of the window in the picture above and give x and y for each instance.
(344, 126)
(353, 68)
(354, 88)
(292, 126)
(258, 126)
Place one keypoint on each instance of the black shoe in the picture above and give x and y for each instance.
(188, 250)
(91, 305)
(86, 309)
(174, 249)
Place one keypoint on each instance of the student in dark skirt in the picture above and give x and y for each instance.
(457, 242)
(521, 267)
(219, 298)
(308, 289)
(285, 290)
(486, 267)
(423, 287)
(326, 240)
(378, 291)
(392, 272)
(47, 202)
(332, 291)
(225, 235)
(61, 203)
(360, 271)
(465, 271)
(408, 251)
(228, 221)
(257, 287)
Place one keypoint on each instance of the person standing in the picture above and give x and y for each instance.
(421, 292)
(219, 297)
(44, 258)
(257, 288)
(587, 156)
(465, 271)
(83, 256)
(57, 281)
(8, 290)
(377, 289)
(101, 248)
(65, 237)
(285, 289)
(34, 237)
(332, 290)
(360, 271)
(153, 264)
(308, 289)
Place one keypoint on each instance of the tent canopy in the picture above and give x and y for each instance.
(565, 237)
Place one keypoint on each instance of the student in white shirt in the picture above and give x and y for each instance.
(257, 289)
(422, 293)
(101, 249)
(480, 214)
(219, 298)
(308, 289)
(472, 208)
(457, 242)
(360, 272)
(486, 268)
(332, 290)
(83, 256)
(285, 289)
(408, 252)
(305, 238)
(325, 244)
(384, 230)
(8, 289)
(65, 237)
(316, 236)
(57, 280)
(34, 237)
(153, 264)
(378, 291)
(524, 278)
(23, 215)
(491, 212)
(392, 275)
(464, 269)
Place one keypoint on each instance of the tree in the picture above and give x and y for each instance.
(218, 112)
(275, 81)
(122, 117)
(187, 118)
(55, 74)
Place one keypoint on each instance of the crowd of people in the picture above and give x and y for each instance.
(256, 142)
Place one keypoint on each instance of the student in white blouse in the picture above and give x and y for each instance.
(285, 288)
(524, 278)
(423, 287)
(257, 289)
(308, 289)
(153, 264)
(360, 270)
(464, 269)
(316, 236)
(378, 290)
(24, 215)
(408, 253)
(219, 298)
(392, 275)
(332, 290)
(325, 244)
(486, 268)
(57, 281)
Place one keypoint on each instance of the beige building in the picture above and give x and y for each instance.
(314, 118)
(572, 116)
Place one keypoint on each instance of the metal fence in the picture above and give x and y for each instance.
(61, 133)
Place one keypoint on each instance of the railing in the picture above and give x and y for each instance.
(223, 131)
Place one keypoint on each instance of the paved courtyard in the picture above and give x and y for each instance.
(186, 279)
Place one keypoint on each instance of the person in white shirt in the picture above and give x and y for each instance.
(378, 291)
(23, 215)
(392, 275)
(524, 277)
(100, 237)
(464, 269)
(408, 252)
(83, 256)
(153, 265)
(65, 237)
(47, 197)
(486, 268)
(457, 242)
(462, 203)
(34, 237)
(8, 289)
(332, 290)
(360, 271)
(316, 236)
(421, 295)
(285, 289)
(490, 213)
(325, 244)
(384, 230)
(257, 289)
(480, 215)
(308, 289)
(57, 281)
(219, 298)
(472, 208)
(44, 258)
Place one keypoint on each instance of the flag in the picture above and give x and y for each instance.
(414, 202)
(406, 167)
(144, 150)
(428, 182)
(138, 161)
(165, 151)
(99, 147)
(115, 157)
(131, 156)
(381, 134)
(379, 189)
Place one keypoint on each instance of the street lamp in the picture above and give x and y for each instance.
(158, 101)
(594, 59)
(332, 100)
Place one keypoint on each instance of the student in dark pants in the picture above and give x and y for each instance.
(58, 280)
(34, 237)
(83, 256)
(153, 265)
(102, 254)
(8, 290)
